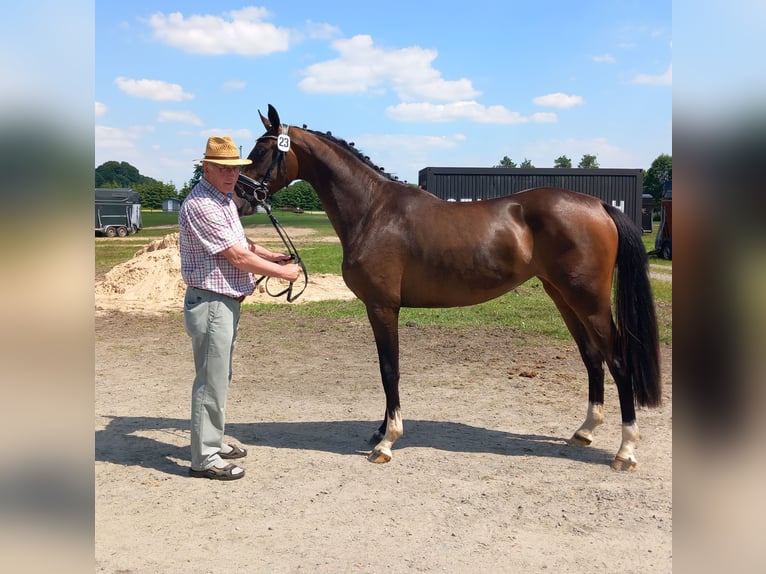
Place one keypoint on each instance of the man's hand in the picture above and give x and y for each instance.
(282, 259)
(291, 271)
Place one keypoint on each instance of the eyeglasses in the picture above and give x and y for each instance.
(226, 168)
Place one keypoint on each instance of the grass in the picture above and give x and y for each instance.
(317, 221)
(526, 308)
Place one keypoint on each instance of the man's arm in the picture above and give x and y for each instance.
(247, 260)
(264, 253)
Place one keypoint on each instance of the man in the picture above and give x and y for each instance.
(218, 263)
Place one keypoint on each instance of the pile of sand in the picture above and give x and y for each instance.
(151, 282)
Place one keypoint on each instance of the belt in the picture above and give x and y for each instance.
(238, 299)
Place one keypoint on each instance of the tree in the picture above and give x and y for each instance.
(506, 162)
(588, 162)
(189, 185)
(153, 192)
(298, 194)
(660, 171)
(117, 174)
(526, 164)
(562, 162)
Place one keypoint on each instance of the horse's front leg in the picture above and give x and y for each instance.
(385, 327)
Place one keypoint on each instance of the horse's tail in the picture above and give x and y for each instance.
(637, 333)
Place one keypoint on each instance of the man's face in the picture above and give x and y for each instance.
(222, 177)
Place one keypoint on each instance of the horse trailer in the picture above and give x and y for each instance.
(621, 188)
(118, 212)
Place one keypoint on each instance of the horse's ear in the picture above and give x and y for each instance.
(274, 118)
(266, 122)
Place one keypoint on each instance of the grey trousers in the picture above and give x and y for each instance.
(211, 320)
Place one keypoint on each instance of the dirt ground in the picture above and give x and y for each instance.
(481, 481)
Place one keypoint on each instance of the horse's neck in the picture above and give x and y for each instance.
(345, 184)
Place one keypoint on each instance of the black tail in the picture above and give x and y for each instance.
(637, 333)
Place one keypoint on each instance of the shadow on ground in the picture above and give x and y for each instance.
(121, 442)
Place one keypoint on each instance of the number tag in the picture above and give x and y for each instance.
(283, 142)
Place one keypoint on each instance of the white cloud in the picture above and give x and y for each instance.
(604, 59)
(664, 79)
(465, 110)
(404, 155)
(101, 109)
(183, 117)
(320, 30)
(558, 100)
(233, 85)
(244, 32)
(152, 90)
(544, 118)
(406, 143)
(363, 67)
(119, 139)
(542, 154)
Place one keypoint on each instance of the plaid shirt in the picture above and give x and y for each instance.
(209, 223)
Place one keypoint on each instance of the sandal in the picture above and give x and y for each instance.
(225, 473)
(235, 452)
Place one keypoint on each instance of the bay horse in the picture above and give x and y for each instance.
(404, 247)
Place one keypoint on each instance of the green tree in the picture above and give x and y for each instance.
(189, 185)
(117, 174)
(153, 192)
(506, 162)
(526, 164)
(588, 161)
(298, 194)
(562, 162)
(660, 171)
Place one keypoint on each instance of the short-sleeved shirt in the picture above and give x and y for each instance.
(209, 223)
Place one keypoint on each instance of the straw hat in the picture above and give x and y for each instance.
(221, 150)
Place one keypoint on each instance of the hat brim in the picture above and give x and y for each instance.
(238, 161)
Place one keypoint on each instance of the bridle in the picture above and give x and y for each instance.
(256, 193)
(277, 159)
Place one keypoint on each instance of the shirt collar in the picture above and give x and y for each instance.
(224, 199)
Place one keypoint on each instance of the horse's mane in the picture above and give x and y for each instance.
(352, 149)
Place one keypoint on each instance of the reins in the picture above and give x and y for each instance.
(257, 193)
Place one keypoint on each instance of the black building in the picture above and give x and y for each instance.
(619, 187)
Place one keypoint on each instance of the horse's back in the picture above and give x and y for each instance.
(552, 199)
(557, 209)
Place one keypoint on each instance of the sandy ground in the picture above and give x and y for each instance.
(481, 481)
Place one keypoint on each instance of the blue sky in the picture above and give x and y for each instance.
(413, 84)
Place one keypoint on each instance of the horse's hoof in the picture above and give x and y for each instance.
(380, 456)
(621, 464)
(580, 440)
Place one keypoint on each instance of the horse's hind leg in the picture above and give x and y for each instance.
(594, 365)
(385, 327)
(596, 335)
(625, 459)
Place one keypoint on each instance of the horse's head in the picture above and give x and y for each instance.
(274, 162)
(248, 195)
